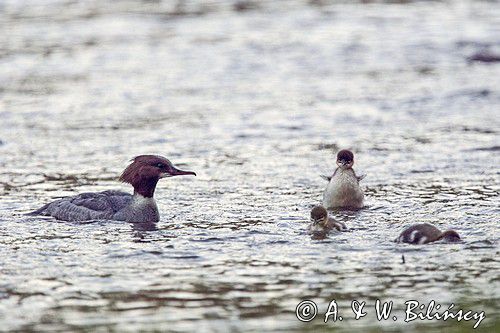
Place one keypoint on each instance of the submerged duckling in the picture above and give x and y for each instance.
(424, 233)
(143, 174)
(343, 190)
(321, 222)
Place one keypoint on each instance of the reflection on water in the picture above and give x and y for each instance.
(256, 97)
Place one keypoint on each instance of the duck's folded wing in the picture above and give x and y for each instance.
(328, 178)
(360, 178)
(87, 206)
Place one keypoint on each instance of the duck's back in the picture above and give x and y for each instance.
(87, 206)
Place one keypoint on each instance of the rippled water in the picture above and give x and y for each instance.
(256, 98)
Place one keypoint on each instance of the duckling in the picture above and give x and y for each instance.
(343, 190)
(321, 222)
(424, 233)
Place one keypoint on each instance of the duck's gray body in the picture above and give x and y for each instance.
(343, 190)
(107, 205)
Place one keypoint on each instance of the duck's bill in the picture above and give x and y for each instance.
(177, 172)
(343, 163)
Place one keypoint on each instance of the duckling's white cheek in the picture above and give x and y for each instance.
(314, 228)
(412, 236)
(422, 240)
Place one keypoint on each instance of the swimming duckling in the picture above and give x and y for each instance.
(424, 233)
(321, 222)
(343, 189)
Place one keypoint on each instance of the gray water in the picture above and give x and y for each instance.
(256, 98)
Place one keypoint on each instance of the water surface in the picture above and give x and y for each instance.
(256, 100)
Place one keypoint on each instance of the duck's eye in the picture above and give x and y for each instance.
(160, 165)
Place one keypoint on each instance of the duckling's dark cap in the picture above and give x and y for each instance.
(345, 155)
(318, 212)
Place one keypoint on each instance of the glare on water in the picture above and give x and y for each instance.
(256, 97)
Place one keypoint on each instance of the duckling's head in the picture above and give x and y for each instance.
(345, 159)
(319, 215)
(450, 236)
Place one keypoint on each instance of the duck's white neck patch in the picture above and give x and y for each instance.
(140, 200)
